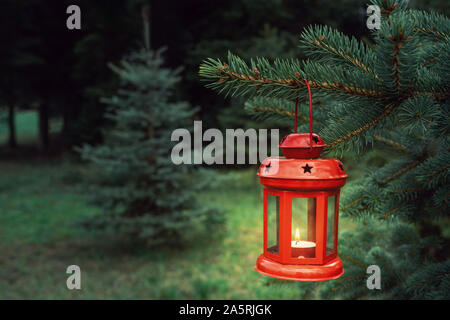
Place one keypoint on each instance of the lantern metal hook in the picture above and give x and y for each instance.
(310, 115)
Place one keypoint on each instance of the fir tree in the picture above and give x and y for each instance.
(143, 194)
(390, 94)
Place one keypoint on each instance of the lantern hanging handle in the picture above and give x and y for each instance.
(310, 115)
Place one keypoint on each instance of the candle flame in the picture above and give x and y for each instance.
(297, 234)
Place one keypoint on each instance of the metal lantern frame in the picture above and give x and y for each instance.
(301, 174)
(285, 230)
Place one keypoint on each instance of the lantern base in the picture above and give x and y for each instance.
(297, 272)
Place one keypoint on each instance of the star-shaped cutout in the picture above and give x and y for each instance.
(341, 166)
(307, 168)
(268, 167)
(315, 139)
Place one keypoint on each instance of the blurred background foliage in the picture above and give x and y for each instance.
(52, 82)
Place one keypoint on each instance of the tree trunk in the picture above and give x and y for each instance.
(44, 126)
(71, 114)
(12, 141)
(68, 116)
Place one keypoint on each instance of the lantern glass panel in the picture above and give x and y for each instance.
(331, 224)
(303, 230)
(273, 223)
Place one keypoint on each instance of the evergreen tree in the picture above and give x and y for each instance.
(143, 193)
(394, 95)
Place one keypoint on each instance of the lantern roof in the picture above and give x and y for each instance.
(302, 174)
(302, 145)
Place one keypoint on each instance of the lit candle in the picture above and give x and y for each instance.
(301, 248)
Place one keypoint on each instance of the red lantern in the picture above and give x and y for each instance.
(301, 210)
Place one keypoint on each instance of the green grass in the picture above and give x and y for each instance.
(42, 202)
(39, 237)
(27, 124)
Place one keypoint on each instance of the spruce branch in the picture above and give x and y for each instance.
(441, 199)
(431, 25)
(408, 194)
(435, 33)
(431, 282)
(354, 202)
(435, 171)
(387, 7)
(398, 43)
(347, 82)
(388, 11)
(391, 143)
(396, 94)
(435, 58)
(408, 190)
(431, 61)
(392, 211)
(353, 260)
(264, 108)
(362, 198)
(417, 113)
(400, 172)
(397, 55)
(433, 82)
(343, 68)
(344, 281)
(363, 128)
(328, 45)
(282, 79)
(237, 78)
(279, 111)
